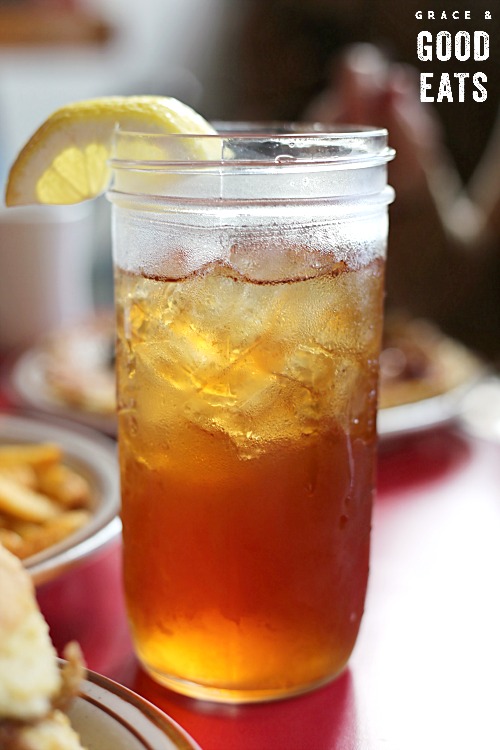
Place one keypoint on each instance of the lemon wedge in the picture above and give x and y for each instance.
(66, 159)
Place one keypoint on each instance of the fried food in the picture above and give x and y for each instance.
(41, 499)
(22, 503)
(418, 362)
(34, 454)
(33, 690)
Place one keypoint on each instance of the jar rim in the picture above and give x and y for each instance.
(273, 129)
(255, 145)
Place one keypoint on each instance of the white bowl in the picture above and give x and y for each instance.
(93, 456)
(78, 580)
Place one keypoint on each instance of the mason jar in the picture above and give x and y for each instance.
(249, 281)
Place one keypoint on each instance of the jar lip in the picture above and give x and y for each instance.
(271, 130)
(254, 144)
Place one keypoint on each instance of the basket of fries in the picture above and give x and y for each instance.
(59, 504)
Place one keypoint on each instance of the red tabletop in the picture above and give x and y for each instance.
(425, 673)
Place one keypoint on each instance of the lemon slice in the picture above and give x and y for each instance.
(66, 160)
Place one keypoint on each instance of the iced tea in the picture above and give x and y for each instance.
(247, 411)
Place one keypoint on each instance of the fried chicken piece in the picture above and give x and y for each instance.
(33, 689)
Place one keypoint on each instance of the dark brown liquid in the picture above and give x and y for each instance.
(247, 437)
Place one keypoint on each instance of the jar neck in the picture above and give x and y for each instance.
(253, 167)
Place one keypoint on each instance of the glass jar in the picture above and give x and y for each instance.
(249, 271)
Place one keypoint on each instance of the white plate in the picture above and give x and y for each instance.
(29, 384)
(92, 455)
(108, 716)
(480, 410)
(426, 414)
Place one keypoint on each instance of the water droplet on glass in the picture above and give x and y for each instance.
(284, 158)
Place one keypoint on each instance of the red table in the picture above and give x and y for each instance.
(425, 673)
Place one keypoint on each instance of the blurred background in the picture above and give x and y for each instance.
(330, 60)
(56, 51)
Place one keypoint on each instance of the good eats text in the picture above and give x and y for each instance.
(461, 47)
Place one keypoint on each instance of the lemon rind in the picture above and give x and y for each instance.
(88, 122)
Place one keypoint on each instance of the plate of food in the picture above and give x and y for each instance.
(46, 702)
(423, 376)
(70, 373)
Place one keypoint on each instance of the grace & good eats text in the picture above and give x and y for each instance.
(445, 46)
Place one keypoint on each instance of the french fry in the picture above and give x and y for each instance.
(14, 542)
(41, 499)
(36, 537)
(23, 503)
(34, 454)
(25, 474)
(64, 485)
